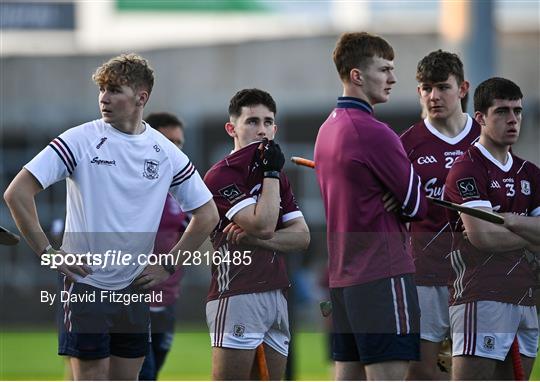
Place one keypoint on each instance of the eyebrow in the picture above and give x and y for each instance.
(507, 108)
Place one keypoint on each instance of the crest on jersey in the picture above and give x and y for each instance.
(151, 169)
(525, 187)
(489, 343)
(239, 330)
(467, 188)
(232, 193)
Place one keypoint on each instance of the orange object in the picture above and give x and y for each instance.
(260, 358)
(303, 162)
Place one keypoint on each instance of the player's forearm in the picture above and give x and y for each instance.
(266, 212)
(293, 238)
(203, 221)
(527, 227)
(19, 198)
(497, 240)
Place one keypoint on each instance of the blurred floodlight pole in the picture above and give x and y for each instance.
(471, 25)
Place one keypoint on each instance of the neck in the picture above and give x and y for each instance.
(497, 151)
(356, 92)
(451, 126)
(132, 127)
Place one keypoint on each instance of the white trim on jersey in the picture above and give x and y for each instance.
(239, 206)
(454, 140)
(291, 215)
(478, 203)
(504, 167)
(459, 267)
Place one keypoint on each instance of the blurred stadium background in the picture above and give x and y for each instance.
(203, 52)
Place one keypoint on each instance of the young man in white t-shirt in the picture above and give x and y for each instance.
(118, 172)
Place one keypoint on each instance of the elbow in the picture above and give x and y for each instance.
(306, 241)
(9, 196)
(263, 234)
(479, 241)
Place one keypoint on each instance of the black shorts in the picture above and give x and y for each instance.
(377, 321)
(101, 328)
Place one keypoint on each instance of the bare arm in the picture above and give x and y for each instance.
(260, 219)
(491, 237)
(202, 222)
(20, 198)
(293, 237)
(528, 227)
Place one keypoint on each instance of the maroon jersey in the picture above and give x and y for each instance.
(358, 159)
(432, 154)
(479, 180)
(173, 223)
(236, 182)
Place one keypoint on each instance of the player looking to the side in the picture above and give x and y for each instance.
(173, 223)
(493, 283)
(432, 146)
(358, 160)
(118, 173)
(259, 222)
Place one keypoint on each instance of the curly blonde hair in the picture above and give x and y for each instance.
(127, 69)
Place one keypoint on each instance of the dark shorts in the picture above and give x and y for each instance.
(377, 321)
(101, 328)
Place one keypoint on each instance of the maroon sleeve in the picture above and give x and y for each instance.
(535, 190)
(228, 188)
(467, 183)
(395, 171)
(288, 201)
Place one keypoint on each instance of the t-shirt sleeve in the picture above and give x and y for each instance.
(229, 190)
(395, 171)
(467, 185)
(288, 201)
(58, 160)
(187, 187)
(535, 191)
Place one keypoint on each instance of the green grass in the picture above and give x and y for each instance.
(32, 356)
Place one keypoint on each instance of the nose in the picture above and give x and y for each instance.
(104, 97)
(513, 118)
(392, 79)
(435, 94)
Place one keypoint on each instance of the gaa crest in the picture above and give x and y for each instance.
(525, 187)
(239, 330)
(151, 168)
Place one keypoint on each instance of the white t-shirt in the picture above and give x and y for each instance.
(116, 189)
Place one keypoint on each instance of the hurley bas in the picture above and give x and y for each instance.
(102, 296)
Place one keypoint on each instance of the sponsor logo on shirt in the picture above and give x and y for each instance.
(428, 159)
(239, 330)
(489, 343)
(101, 142)
(494, 184)
(232, 193)
(432, 190)
(151, 169)
(467, 188)
(525, 187)
(453, 153)
(104, 162)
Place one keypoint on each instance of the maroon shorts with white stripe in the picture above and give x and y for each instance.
(488, 328)
(377, 321)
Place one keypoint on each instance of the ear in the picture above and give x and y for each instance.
(229, 128)
(142, 98)
(356, 77)
(480, 118)
(419, 91)
(464, 89)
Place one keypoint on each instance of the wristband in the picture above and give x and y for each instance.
(48, 249)
(271, 174)
(169, 268)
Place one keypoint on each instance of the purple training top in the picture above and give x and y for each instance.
(358, 159)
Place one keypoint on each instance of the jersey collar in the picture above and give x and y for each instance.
(505, 167)
(354, 103)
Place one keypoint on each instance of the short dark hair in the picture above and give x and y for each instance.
(438, 66)
(161, 120)
(356, 50)
(250, 97)
(495, 88)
